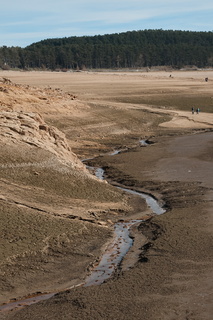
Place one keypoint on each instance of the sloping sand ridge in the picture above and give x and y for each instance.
(46, 193)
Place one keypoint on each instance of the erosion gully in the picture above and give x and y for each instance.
(115, 251)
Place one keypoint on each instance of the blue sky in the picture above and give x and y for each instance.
(23, 22)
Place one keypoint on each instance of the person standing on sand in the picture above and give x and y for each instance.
(198, 110)
(193, 110)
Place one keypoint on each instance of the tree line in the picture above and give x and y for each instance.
(133, 49)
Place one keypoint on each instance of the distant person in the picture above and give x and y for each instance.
(206, 79)
(198, 110)
(193, 110)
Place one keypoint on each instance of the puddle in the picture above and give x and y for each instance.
(143, 143)
(99, 173)
(113, 153)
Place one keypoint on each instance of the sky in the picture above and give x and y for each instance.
(23, 22)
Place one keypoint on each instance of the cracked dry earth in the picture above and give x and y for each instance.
(57, 218)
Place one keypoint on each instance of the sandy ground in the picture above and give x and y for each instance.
(172, 276)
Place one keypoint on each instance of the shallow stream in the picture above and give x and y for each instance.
(122, 241)
(121, 244)
(114, 253)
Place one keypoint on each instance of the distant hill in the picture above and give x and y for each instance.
(133, 49)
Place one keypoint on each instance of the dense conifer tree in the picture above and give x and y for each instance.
(132, 49)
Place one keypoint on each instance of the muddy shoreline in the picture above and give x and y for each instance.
(173, 262)
(168, 272)
(120, 260)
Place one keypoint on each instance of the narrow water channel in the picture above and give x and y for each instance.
(114, 254)
(122, 241)
(121, 244)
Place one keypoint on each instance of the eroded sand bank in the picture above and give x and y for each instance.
(172, 279)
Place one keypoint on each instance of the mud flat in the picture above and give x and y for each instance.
(171, 277)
